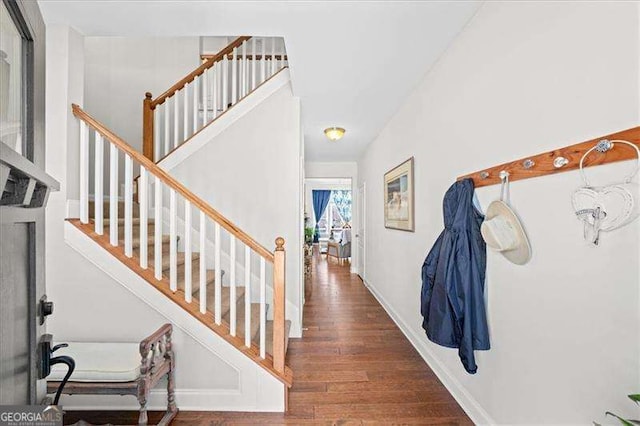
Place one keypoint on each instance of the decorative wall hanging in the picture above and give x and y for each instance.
(609, 207)
(398, 197)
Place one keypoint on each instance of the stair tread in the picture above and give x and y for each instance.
(269, 339)
(226, 298)
(151, 240)
(135, 221)
(106, 206)
(255, 319)
(195, 276)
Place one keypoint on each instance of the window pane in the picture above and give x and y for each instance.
(10, 82)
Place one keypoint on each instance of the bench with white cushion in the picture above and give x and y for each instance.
(120, 369)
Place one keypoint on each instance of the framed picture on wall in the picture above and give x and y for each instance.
(398, 197)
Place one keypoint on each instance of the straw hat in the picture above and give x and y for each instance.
(503, 232)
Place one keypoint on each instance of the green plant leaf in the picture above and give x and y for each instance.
(622, 421)
(635, 398)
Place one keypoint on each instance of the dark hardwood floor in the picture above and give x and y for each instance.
(353, 367)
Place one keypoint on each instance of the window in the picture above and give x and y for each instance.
(14, 48)
(337, 214)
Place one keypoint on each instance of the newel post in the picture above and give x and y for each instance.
(279, 305)
(147, 127)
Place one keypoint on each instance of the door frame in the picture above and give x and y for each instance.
(23, 181)
(362, 222)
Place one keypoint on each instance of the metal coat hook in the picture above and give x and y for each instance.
(504, 187)
(604, 145)
(560, 162)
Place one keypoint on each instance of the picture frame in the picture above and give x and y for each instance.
(399, 197)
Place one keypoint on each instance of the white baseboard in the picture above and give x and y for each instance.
(468, 403)
(186, 400)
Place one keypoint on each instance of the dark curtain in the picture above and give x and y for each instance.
(320, 202)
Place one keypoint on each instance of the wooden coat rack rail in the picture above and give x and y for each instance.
(560, 160)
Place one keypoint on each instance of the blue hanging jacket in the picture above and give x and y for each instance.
(452, 302)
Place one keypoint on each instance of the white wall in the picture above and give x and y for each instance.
(338, 169)
(118, 73)
(523, 78)
(120, 70)
(251, 174)
(89, 304)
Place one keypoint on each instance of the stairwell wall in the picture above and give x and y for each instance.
(250, 173)
(120, 70)
(523, 78)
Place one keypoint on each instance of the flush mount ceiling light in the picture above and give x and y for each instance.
(334, 133)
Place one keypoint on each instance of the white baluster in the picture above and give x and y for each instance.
(185, 110)
(84, 172)
(173, 243)
(247, 296)
(215, 91)
(196, 83)
(203, 264)
(187, 252)
(218, 275)
(273, 56)
(143, 198)
(167, 117)
(205, 102)
(254, 57)
(157, 214)
(176, 116)
(98, 190)
(263, 61)
(113, 194)
(234, 76)
(128, 206)
(232, 282)
(263, 309)
(157, 142)
(225, 82)
(243, 80)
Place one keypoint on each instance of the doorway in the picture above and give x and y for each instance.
(329, 219)
(360, 233)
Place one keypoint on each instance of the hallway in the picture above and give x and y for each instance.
(353, 366)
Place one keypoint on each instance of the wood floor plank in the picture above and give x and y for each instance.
(352, 367)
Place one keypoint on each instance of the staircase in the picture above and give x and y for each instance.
(208, 92)
(181, 270)
(176, 242)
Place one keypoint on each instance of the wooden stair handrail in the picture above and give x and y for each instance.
(198, 71)
(174, 184)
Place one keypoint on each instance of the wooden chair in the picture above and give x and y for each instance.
(121, 369)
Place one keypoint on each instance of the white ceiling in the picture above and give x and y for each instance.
(352, 63)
